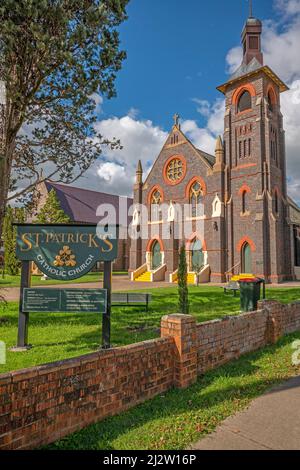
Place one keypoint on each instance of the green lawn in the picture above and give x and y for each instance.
(14, 281)
(60, 336)
(179, 418)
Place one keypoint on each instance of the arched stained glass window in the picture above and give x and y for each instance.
(196, 198)
(175, 170)
(156, 200)
(244, 202)
(270, 101)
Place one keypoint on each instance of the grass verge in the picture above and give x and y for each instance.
(14, 281)
(181, 417)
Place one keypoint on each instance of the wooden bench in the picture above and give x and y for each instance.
(132, 299)
(232, 286)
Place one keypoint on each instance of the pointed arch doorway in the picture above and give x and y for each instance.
(197, 256)
(156, 256)
(246, 258)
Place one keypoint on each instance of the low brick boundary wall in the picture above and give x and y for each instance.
(43, 404)
(223, 340)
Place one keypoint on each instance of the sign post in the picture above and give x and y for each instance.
(65, 252)
(23, 316)
(107, 284)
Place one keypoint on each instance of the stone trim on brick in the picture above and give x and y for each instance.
(243, 241)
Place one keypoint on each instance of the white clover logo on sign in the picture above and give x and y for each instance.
(296, 355)
(2, 352)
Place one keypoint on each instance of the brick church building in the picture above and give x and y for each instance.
(249, 223)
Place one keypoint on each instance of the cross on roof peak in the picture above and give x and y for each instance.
(176, 118)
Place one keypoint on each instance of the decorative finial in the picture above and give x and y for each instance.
(250, 9)
(219, 152)
(139, 173)
(176, 118)
(219, 144)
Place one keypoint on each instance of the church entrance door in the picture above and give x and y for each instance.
(197, 256)
(156, 256)
(246, 259)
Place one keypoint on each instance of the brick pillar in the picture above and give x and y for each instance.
(275, 328)
(183, 329)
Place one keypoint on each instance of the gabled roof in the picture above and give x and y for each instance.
(211, 159)
(208, 160)
(81, 204)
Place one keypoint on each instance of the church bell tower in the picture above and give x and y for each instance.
(257, 233)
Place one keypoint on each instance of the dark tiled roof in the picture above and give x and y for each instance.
(81, 204)
(209, 158)
(245, 69)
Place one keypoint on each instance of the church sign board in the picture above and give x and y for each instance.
(65, 252)
(65, 300)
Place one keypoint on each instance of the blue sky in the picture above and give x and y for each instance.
(178, 53)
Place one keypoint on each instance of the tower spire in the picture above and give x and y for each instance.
(139, 173)
(250, 9)
(219, 153)
(251, 38)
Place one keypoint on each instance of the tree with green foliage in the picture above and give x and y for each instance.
(52, 212)
(182, 282)
(11, 263)
(57, 59)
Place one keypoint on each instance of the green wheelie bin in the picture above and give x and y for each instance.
(251, 293)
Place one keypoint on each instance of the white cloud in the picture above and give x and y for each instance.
(215, 122)
(111, 172)
(201, 138)
(234, 59)
(98, 100)
(291, 111)
(289, 7)
(281, 49)
(133, 113)
(115, 172)
(203, 106)
(204, 138)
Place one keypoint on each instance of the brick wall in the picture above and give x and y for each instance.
(221, 341)
(283, 319)
(45, 403)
